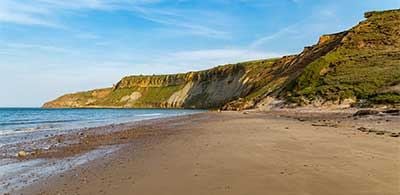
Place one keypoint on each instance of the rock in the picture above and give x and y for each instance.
(319, 125)
(394, 135)
(22, 154)
(362, 129)
(392, 112)
(366, 112)
(380, 133)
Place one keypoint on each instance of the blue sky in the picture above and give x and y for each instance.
(51, 47)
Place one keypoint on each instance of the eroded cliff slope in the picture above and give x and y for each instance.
(204, 89)
(361, 65)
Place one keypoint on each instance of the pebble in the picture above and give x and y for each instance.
(22, 154)
(380, 133)
(362, 129)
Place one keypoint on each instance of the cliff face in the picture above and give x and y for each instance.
(365, 65)
(361, 65)
(204, 89)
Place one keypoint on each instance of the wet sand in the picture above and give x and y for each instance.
(235, 153)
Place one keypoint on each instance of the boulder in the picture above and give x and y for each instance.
(394, 135)
(366, 112)
(392, 112)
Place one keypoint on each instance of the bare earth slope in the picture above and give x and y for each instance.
(360, 66)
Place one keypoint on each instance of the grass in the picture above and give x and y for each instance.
(388, 98)
(366, 61)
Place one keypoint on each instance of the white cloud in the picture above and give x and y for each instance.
(31, 47)
(48, 13)
(86, 35)
(220, 55)
(184, 61)
(45, 12)
(17, 12)
(320, 21)
(197, 22)
(263, 40)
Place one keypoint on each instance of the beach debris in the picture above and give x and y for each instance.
(392, 112)
(36, 152)
(325, 124)
(60, 139)
(380, 133)
(362, 129)
(366, 112)
(22, 154)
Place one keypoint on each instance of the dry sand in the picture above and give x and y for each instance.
(248, 154)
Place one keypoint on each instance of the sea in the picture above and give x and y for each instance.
(21, 125)
(38, 122)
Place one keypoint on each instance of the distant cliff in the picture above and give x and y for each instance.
(360, 66)
(204, 89)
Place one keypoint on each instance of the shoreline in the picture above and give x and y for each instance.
(62, 149)
(143, 137)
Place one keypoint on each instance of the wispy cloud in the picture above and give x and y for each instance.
(183, 20)
(318, 21)
(183, 61)
(86, 35)
(36, 47)
(47, 13)
(284, 31)
(217, 55)
(24, 13)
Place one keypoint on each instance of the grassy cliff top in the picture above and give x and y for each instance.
(365, 62)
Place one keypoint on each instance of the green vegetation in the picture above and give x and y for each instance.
(388, 98)
(367, 60)
(155, 95)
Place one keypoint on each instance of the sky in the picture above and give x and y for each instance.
(52, 47)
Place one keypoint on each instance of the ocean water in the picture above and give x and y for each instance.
(16, 123)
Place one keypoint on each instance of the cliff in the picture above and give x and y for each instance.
(358, 66)
(363, 67)
(203, 89)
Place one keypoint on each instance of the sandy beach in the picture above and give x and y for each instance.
(235, 153)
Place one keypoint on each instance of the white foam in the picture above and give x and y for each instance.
(152, 114)
(15, 174)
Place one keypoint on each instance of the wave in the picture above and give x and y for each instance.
(153, 114)
(36, 122)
